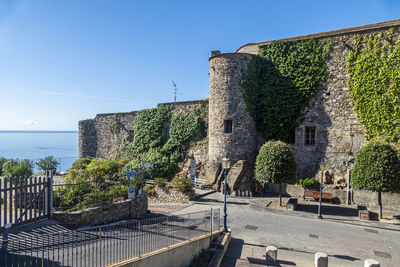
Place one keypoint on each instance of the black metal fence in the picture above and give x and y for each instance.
(99, 246)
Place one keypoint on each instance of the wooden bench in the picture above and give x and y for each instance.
(315, 194)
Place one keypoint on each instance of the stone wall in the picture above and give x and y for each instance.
(104, 136)
(113, 212)
(226, 103)
(166, 195)
(339, 134)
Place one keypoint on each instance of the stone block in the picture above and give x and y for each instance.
(363, 214)
(271, 254)
(371, 263)
(321, 260)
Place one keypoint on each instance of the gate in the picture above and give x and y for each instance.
(25, 200)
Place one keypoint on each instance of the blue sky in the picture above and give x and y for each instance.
(64, 61)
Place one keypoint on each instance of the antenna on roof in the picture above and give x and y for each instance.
(175, 90)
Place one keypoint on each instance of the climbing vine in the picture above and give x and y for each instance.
(149, 143)
(279, 82)
(374, 83)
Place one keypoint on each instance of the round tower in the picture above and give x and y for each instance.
(231, 130)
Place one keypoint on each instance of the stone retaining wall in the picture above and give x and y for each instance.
(166, 195)
(390, 201)
(127, 209)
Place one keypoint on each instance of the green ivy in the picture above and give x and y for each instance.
(149, 145)
(374, 83)
(279, 82)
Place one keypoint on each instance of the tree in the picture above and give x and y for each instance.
(17, 168)
(48, 163)
(376, 168)
(275, 164)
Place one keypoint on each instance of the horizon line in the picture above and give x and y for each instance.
(38, 131)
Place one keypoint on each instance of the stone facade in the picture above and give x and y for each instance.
(338, 133)
(104, 136)
(113, 212)
(226, 104)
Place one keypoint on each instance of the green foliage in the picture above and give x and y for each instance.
(275, 163)
(181, 184)
(148, 130)
(161, 182)
(202, 259)
(308, 183)
(376, 168)
(374, 83)
(148, 144)
(2, 161)
(81, 163)
(48, 163)
(17, 168)
(279, 82)
(70, 196)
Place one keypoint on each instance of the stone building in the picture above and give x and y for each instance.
(330, 131)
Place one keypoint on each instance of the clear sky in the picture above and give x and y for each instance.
(64, 61)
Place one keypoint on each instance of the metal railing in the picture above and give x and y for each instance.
(103, 245)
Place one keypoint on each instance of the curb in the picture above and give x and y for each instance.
(221, 250)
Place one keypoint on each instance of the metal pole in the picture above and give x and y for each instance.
(225, 215)
(320, 196)
(211, 224)
(348, 187)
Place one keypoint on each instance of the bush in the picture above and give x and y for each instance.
(48, 163)
(81, 163)
(275, 164)
(376, 168)
(17, 168)
(308, 183)
(182, 184)
(2, 161)
(161, 182)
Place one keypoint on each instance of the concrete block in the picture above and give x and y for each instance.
(271, 254)
(321, 259)
(371, 263)
(364, 214)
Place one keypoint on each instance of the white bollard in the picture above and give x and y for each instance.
(271, 254)
(371, 263)
(251, 194)
(321, 259)
(247, 193)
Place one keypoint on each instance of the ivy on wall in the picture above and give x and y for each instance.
(149, 144)
(280, 80)
(374, 84)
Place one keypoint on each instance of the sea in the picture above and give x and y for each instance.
(35, 145)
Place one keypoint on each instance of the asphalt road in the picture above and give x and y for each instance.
(298, 238)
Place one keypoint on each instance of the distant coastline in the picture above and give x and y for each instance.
(30, 131)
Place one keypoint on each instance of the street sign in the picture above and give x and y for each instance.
(147, 165)
(131, 174)
(131, 192)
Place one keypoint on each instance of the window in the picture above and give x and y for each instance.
(227, 126)
(309, 135)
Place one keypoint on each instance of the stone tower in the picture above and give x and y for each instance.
(231, 130)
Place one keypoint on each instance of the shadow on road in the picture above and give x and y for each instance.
(328, 210)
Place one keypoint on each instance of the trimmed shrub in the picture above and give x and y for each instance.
(308, 183)
(376, 168)
(275, 164)
(81, 163)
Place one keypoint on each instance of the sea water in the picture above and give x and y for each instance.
(35, 145)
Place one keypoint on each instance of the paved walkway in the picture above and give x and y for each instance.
(298, 235)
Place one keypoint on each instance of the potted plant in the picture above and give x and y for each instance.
(48, 163)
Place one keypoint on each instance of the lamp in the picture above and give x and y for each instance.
(226, 164)
(322, 168)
